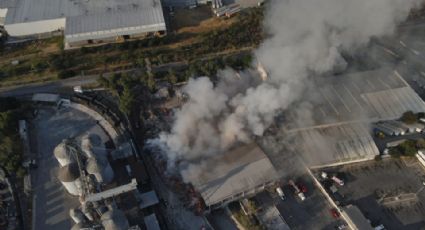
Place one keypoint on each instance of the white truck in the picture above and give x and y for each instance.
(338, 181)
(298, 192)
(280, 193)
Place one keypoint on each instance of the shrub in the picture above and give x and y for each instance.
(66, 74)
(409, 117)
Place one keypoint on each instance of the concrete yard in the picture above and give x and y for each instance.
(400, 182)
(51, 201)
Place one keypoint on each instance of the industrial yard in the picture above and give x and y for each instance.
(388, 192)
(52, 201)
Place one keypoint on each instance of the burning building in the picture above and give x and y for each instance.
(241, 172)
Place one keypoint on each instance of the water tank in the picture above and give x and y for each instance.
(101, 169)
(86, 146)
(69, 176)
(63, 155)
(76, 215)
(114, 219)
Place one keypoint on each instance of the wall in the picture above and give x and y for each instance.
(37, 27)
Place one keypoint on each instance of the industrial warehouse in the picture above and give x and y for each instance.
(83, 22)
(343, 113)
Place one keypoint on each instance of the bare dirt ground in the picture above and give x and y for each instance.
(198, 20)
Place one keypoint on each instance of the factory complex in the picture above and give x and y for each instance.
(213, 122)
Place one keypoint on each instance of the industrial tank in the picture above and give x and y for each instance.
(88, 142)
(86, 146)
(69, 176)
(76, 215)
(87, 211)
(101, 169)
(63, 155)
(114, 219)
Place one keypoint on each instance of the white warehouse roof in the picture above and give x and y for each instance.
(105, 17)
(337, 144)
(362, 96)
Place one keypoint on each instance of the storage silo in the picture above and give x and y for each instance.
(63, 155)
(101, 169)
(86, 146)
(69, 176)
(76, 215)
(114, 219)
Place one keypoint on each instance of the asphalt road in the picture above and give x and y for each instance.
(47, 87)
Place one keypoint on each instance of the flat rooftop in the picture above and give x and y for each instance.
(239, 170)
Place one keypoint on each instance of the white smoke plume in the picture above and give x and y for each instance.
(306, 39)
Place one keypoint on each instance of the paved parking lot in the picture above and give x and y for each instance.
(388, 192)
(312, 213)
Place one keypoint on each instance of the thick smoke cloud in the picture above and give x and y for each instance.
(306, 38)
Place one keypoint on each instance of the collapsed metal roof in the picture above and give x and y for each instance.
(236, 171)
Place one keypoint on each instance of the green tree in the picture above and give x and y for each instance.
(408, 148)
(150, 82)
(103, 81)
(171, 77)
(420, 144)
(127, 99)
(409, 117)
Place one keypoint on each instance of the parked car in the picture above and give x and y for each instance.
(335, 213)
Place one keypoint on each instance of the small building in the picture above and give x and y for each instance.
(148, 199)
(390, 129)
(355, 218)
(46, 98)
(396, 143)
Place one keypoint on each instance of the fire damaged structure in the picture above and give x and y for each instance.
(238, 173)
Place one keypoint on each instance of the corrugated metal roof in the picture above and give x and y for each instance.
(336, 144)
(363, 96)
(236, 171)
(115, 20)
(83, 16)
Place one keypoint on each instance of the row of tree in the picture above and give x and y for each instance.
(10, 145)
